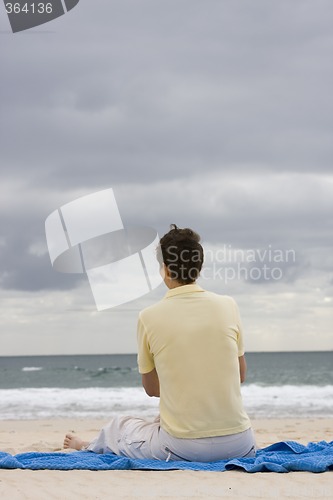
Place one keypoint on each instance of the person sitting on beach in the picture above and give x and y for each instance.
(191, 356)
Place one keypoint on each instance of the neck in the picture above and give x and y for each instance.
(175, 284)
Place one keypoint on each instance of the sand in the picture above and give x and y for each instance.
(47, 435)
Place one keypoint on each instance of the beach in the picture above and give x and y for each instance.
(17, 436)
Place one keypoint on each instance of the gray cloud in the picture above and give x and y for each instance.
(32, 273)
(243, 212)
(182, 88)
(23, 267)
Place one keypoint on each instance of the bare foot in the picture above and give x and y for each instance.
(74, 442)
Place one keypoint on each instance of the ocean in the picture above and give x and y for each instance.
(278, 385)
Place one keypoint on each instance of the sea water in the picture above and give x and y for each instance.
(278, 385)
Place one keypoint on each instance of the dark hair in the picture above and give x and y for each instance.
(182, 253)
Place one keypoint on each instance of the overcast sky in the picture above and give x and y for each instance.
(210, 114)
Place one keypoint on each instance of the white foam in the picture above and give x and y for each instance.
(32, 368)
(288, 400)
(36, 403)
(259, 402)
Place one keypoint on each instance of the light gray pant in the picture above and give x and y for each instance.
(138, 438)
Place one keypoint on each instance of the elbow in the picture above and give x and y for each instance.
(151, 384)
(151, 393)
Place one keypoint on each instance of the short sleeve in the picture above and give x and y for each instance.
(145, 357)
(240, 340)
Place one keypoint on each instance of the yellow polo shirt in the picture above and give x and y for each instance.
(194, 338)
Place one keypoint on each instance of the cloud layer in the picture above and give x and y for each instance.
(215, 115)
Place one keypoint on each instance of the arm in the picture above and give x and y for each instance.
(151, 383)
(242, 368)
(146, 363)
(241, 356)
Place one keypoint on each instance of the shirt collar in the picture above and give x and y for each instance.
(181, 290)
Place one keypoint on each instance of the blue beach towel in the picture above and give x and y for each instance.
(284, 456)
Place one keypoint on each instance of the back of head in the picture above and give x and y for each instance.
(181, 252)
